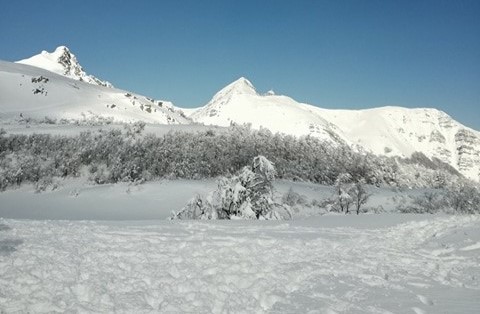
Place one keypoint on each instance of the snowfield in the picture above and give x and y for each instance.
(331, 264)
(71, 246)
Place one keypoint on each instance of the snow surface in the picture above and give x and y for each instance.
(76, 199)
(113, 254)
(59, 97)
(426, 264)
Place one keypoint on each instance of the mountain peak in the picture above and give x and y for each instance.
(62, 61)
(60, 50)
(240, 86)
(63, 54)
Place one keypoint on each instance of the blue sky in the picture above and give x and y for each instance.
(333, 54)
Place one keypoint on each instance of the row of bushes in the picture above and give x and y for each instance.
(129, 155)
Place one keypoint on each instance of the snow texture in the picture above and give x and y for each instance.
(427, 264)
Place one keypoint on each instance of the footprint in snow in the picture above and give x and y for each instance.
(8, 246)
(424, 299)
(418, 310)
(4, 227)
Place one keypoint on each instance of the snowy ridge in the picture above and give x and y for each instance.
(391, 131)
(397, 131)
(28, 92)
(239, 103)
(63, 62)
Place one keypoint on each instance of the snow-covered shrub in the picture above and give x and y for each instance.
(197, 208)
(129, 155)
(458, 197)
(246, 195)
(44, 183)
(292, 198)
(347, 194)
(429, 202)
(134, 129)
(463, 197)
(99, 173)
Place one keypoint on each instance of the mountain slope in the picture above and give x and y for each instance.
(397, 131)
(32, 92)
(239, 103)
(63, 62)
(391, 131)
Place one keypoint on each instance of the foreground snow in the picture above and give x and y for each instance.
(329, 264)
(75, 199)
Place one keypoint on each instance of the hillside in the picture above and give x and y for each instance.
(28, 92)
(240, 103)
(390, 131)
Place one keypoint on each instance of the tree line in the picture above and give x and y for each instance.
(115, 155)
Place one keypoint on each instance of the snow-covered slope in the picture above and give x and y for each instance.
(391, 131)
(32, 92)
(397, 131)
(62, 61)
(239, 103)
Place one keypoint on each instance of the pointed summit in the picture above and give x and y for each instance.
(242, 85)
(238, 87)
(62, 61)
(63, 56)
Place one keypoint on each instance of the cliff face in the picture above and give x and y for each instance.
(468, 152)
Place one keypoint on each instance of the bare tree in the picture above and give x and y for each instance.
(359, 194)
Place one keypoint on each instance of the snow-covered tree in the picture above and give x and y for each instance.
(343, 189)
(359, 195)
(246, 195)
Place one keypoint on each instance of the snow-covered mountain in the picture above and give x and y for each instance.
(54, 85)
(391, 131)
(28, 92)
(239, 103)
(63, 62)
(397, 131)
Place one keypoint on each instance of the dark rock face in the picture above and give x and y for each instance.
(468, 149)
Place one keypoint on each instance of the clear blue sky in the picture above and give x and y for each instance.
(333, 54)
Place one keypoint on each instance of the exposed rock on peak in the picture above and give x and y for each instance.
(62, 61)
